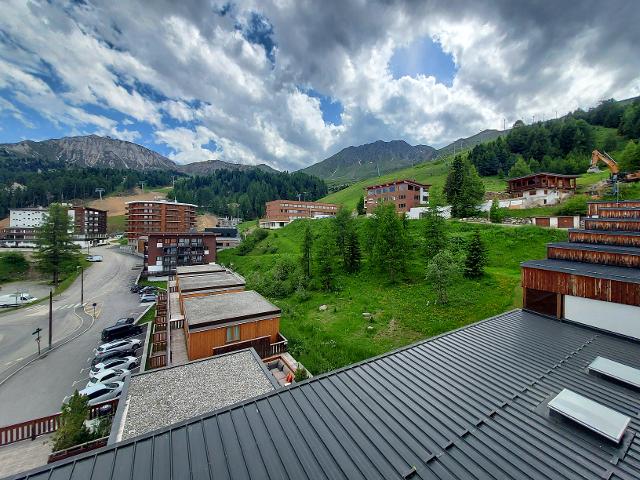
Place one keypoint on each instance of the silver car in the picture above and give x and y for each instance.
(101, 392)
(124, 346)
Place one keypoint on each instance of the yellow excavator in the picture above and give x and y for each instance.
(612, 165)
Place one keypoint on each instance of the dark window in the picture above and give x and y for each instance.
(97, 393)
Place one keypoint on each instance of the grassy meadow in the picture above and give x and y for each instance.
(403, 312)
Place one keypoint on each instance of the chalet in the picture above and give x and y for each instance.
(404, 194)
(216, 324)
(539, 189)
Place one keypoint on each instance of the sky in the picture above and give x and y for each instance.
(291, 82)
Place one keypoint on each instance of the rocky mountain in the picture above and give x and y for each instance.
(209, 166)
(369, 160)
(472, 141)
(89, 151)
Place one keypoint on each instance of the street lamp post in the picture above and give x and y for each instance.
(37, 333)
(81, 284)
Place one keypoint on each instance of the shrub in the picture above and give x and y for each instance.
(251, 240)
(73, 430)
(576, 205)
(301, 374)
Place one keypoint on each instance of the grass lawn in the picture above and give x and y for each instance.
(116, 223)
(148, 316)
(13, 266)
(143, 282)
(402, 313)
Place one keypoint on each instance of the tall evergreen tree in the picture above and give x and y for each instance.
(463, 188)
(435, 233)
(519, 169)
(389, 245)
(307, 245)
(353, 254)
(56, 254)
(360, 207)
(476, 257)
(325, 257)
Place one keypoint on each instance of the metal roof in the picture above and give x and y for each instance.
(471, 403)
(212, 280)
(624, 233)
(595, 270)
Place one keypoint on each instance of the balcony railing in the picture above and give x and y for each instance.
(262, 345)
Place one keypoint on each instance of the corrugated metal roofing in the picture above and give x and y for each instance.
(624, 233)
(468, 404)
(595, 247)
(610, 272)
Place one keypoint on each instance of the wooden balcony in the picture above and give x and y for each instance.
(262, 346)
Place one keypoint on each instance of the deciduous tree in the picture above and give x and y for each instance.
(442, 271)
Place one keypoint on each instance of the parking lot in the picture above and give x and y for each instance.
(39, 389)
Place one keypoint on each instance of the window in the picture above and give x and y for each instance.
(233, 333)
(97, 393)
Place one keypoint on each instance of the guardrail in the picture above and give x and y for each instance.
(175, 324)
(77, 449)
(158, 361)
(43, 425)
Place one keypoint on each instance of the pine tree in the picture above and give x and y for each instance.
(360, 207)
(496, 214)
(519, 169)
(56, 252)
(463, 188)
(72, 430)
(352, 252)
(435, 233)
(325, 257)
(476, 258)
(307, 244)
(388, 241)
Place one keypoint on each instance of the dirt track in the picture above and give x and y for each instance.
(115, 205)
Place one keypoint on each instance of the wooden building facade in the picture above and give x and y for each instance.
(594, 279)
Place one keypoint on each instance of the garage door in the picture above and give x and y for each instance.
(565, 222)
(615, 317)
(543, 221)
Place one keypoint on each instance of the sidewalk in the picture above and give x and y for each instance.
(25, 455)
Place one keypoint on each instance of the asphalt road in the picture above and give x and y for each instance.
(38, 389)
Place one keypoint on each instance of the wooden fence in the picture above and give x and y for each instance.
(43, 425)
(77, 449)
(158, 361)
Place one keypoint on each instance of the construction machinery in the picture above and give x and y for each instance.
(612, 165)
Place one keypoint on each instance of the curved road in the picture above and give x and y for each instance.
(39, 389)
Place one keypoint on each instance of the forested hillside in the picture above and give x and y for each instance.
(244, 193)
(564, 145)
(32, 182)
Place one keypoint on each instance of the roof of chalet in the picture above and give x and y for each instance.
(214, 310)
(539, 174)
(624, 233)
(595, 247)
(467, 404)
(594, 270)
(210, 281)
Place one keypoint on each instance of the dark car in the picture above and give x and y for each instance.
(120, 331)
(125, 321)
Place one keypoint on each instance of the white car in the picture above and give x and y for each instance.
(16, 299)
(125, 363)
(101, 392)
(108, 375)
(94, 258)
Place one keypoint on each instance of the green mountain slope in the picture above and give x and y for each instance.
(470, 142)
(365, 161)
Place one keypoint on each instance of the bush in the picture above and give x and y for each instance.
(251, 241)
(73, 430)
(576, 205)
(12, 266)
(301, 374)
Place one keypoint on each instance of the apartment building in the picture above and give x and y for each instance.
(87, 225)
(145, 217)
(165, 252)
(404, 194)
(280, 213)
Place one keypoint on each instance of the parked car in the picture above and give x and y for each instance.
(135, 288)
(126, 363)
(125, 321)
(94, 258)
(101, 392)
(120, 331)
(125, 347)
(148, 289)
(148, 297)
(109, 375)
(111, 355)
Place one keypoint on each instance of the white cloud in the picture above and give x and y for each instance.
(194, 77)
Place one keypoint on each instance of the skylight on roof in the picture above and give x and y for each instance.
(592, 415)
(615, 370)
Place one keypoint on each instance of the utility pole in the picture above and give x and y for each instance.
(81, 284)
(100, 191)
(37, 332)
(50, 320)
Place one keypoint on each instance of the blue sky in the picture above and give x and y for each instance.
(291, 83)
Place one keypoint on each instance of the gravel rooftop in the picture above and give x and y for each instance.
(160, 398)
(197, 269)
(212, 281)
(227, 307)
